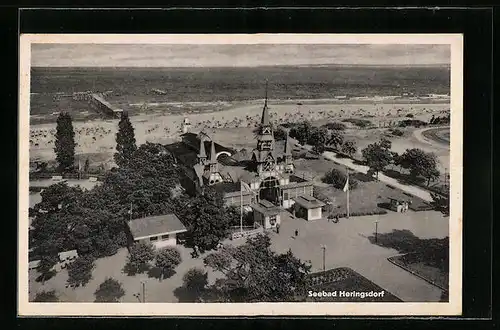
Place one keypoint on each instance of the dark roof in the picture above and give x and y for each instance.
(194, 142)
(226, 187)
(183, 153)
(267, 208)
(162, 224)
(308, 202)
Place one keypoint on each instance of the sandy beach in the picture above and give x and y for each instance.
(97, 138)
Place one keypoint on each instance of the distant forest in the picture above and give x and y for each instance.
(236, 84)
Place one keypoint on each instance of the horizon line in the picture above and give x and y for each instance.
(252, 66)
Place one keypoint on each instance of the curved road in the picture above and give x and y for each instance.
(431, 136)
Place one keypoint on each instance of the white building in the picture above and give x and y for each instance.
(160, 230)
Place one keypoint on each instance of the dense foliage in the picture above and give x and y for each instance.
(80, 270)
(46, 296)
(196, 280)
(444, 120)
(378, 155)
(109, 291)
(208, 219)
(255, 273)
(362, 123)
(349, 148)
(412, 123)
(125, 140)
(140, 254)
(420, 164)
(167, 259)
(335, 126)
(318, 137)
(338, 179)
(94, 222)
(65, 143)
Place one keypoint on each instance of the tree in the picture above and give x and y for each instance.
(338, 179)
(167, 259)
(45, 268)
(279, 134)
(420, 163)
(46, 296)
(208, 219)
(195, 279)
(377, 156)
(125, 141)
(302, 132)
(80, 270)
(318, 139)
(86, 166)
(335, 139)
(140, 255)
(349, 148)
(109, 291)
(65, 143)
(255, 273)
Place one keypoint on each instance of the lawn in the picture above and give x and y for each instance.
(432, 274)
(369, 197)
(348, 281)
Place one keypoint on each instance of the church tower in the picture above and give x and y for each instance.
(289, 166)
(264, 153)
(202, 155)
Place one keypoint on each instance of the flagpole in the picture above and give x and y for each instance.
(130, 211)
(347, 192)
(241, 206)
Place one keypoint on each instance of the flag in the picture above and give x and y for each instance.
(346, 187)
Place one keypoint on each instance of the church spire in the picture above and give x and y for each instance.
(202, 153)
(288, 148)
(213, 155)
(265, 112)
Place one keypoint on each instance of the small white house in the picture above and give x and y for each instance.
(266, 214)
(159, 230)
(308, 207)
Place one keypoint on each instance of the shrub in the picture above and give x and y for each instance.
(410, 115)
(335, 126)
(360, 214)
(412, 122)
(109, 291)
(338, 178)
(46, 296)
(397, 132)
(363, 123)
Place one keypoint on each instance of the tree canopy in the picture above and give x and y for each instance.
(255, 273)
(80, 270)
(65, 143)
(378, 155)
(125, 140)
(46, 296)
(109, 291)
(208, 219)
(140, 254)
(167, 259)
(420, 164)
(349, 148)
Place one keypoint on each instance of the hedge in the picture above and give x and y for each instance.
(360, 214)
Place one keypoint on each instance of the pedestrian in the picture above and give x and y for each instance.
(278, 228)
(296, 232)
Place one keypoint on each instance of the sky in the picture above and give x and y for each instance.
(237, 55)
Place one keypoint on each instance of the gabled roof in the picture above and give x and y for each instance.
(308, 202)
(156, 225)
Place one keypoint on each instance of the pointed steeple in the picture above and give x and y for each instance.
(265, 112)
(202, 153)
(213, 155)
(288, 147)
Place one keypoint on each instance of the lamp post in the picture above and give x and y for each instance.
(376, 231)
(324, 254)
(143, 291)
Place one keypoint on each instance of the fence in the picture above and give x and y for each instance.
(58, 176)
(247, 233)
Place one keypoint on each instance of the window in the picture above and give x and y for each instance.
(285, 196)
(166, 236)
(153, 239)
(272, 220)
